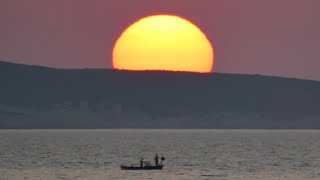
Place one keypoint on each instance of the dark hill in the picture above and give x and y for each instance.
(38, 97)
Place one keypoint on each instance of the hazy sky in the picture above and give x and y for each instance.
(269, 37)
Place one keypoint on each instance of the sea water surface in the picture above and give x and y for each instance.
(190, 154)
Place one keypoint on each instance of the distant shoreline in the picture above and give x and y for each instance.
(34, 97)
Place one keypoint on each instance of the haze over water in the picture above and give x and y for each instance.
(190, 154)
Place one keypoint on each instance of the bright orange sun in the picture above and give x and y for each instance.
(163, 42)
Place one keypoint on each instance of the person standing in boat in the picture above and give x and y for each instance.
(141, 162)
(156, 159)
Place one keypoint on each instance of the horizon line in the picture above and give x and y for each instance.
(163, 71)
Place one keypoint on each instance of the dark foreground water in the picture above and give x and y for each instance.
(190, 154)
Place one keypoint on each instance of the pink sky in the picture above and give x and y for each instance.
(268, 37)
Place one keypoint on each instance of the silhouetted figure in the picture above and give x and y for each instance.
(156, 159)
(141, 162)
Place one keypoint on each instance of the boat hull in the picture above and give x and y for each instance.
(159, 167)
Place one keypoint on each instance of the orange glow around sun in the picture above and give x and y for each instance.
(163, 42)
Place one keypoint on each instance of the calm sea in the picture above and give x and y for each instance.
(190, 154)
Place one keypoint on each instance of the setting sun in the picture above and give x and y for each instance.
(163, 42)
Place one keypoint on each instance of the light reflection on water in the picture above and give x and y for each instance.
(190, 154)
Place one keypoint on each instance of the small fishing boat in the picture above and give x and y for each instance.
(159, 167)
(145, 165)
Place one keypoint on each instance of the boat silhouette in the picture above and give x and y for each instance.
(145, 165)
(155, 167)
